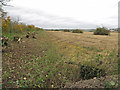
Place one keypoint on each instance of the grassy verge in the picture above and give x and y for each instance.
(34, 71)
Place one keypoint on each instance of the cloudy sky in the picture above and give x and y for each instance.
(62, 14)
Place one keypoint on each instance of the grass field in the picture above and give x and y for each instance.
(89, 47)
(54, 58)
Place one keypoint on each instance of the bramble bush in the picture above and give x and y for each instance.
(101, 31)
(13, 27)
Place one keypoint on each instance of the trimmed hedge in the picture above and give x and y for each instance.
(77, 31)
(101, 31)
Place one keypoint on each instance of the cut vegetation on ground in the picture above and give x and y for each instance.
(34, 58)
(56, 58)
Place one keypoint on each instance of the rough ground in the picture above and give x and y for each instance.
(32, 47)
(93, 83)
(88, 39)
(16, 55)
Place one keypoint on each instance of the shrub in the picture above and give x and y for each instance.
(77, 31)
(101, 31)
(10, 26)
(56, 30)
(90, 31)
(66, 30)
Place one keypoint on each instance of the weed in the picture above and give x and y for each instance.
(110, 84)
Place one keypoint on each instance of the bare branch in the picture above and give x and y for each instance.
(4, 2)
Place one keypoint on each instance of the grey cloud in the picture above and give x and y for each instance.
(45, 20)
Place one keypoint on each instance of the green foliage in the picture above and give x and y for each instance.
(110, 84)
(66, 30)
(77, 31)
(101, 31)
(90, 31)
(55, 30)
(49, 69)
(11, 28)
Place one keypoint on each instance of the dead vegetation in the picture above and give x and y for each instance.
(87, 39)
(55, 58)
(91, 50)
(31, 35)
(4, 41)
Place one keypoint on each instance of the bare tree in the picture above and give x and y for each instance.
(3, 3)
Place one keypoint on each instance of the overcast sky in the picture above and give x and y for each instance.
(66, 13)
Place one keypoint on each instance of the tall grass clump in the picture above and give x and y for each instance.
(77, 31)
(101, 31)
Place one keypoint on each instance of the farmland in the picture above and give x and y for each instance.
(54, 60)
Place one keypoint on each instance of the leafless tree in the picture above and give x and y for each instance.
(3, 3)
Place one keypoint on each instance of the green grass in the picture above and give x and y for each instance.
(40, 74)
(56, 67)
(11, 35)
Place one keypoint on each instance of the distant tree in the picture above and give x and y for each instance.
(77, 31)
(102, 31)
